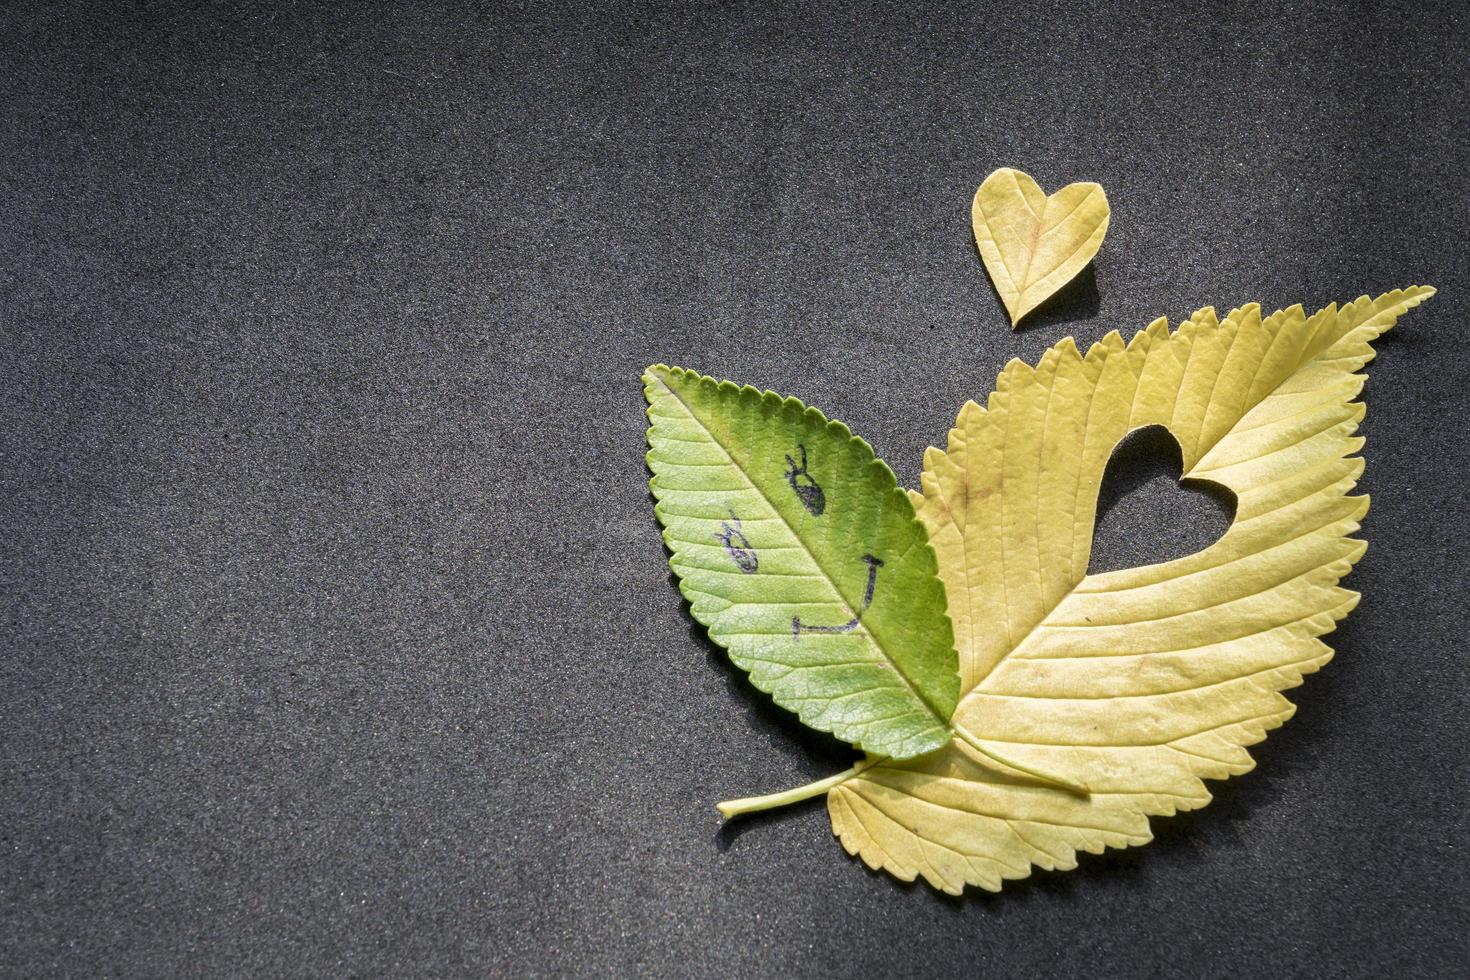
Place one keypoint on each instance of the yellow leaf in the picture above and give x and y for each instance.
(1138, 684)
(1032, 244)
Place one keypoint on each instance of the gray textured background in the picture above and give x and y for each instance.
(338, 637)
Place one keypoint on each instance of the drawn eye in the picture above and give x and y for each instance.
(737, 545)
(807, 490)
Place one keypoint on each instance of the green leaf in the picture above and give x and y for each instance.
(798, 551)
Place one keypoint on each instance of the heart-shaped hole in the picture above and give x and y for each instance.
(1145, 514)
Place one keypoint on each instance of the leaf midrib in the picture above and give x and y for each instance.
(1041, 230)
(942, 719)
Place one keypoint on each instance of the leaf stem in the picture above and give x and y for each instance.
(754, 804)
(1061, 782)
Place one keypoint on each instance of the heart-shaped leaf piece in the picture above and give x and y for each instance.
(1032, 244)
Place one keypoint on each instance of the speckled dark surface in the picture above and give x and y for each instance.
(338, 637)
